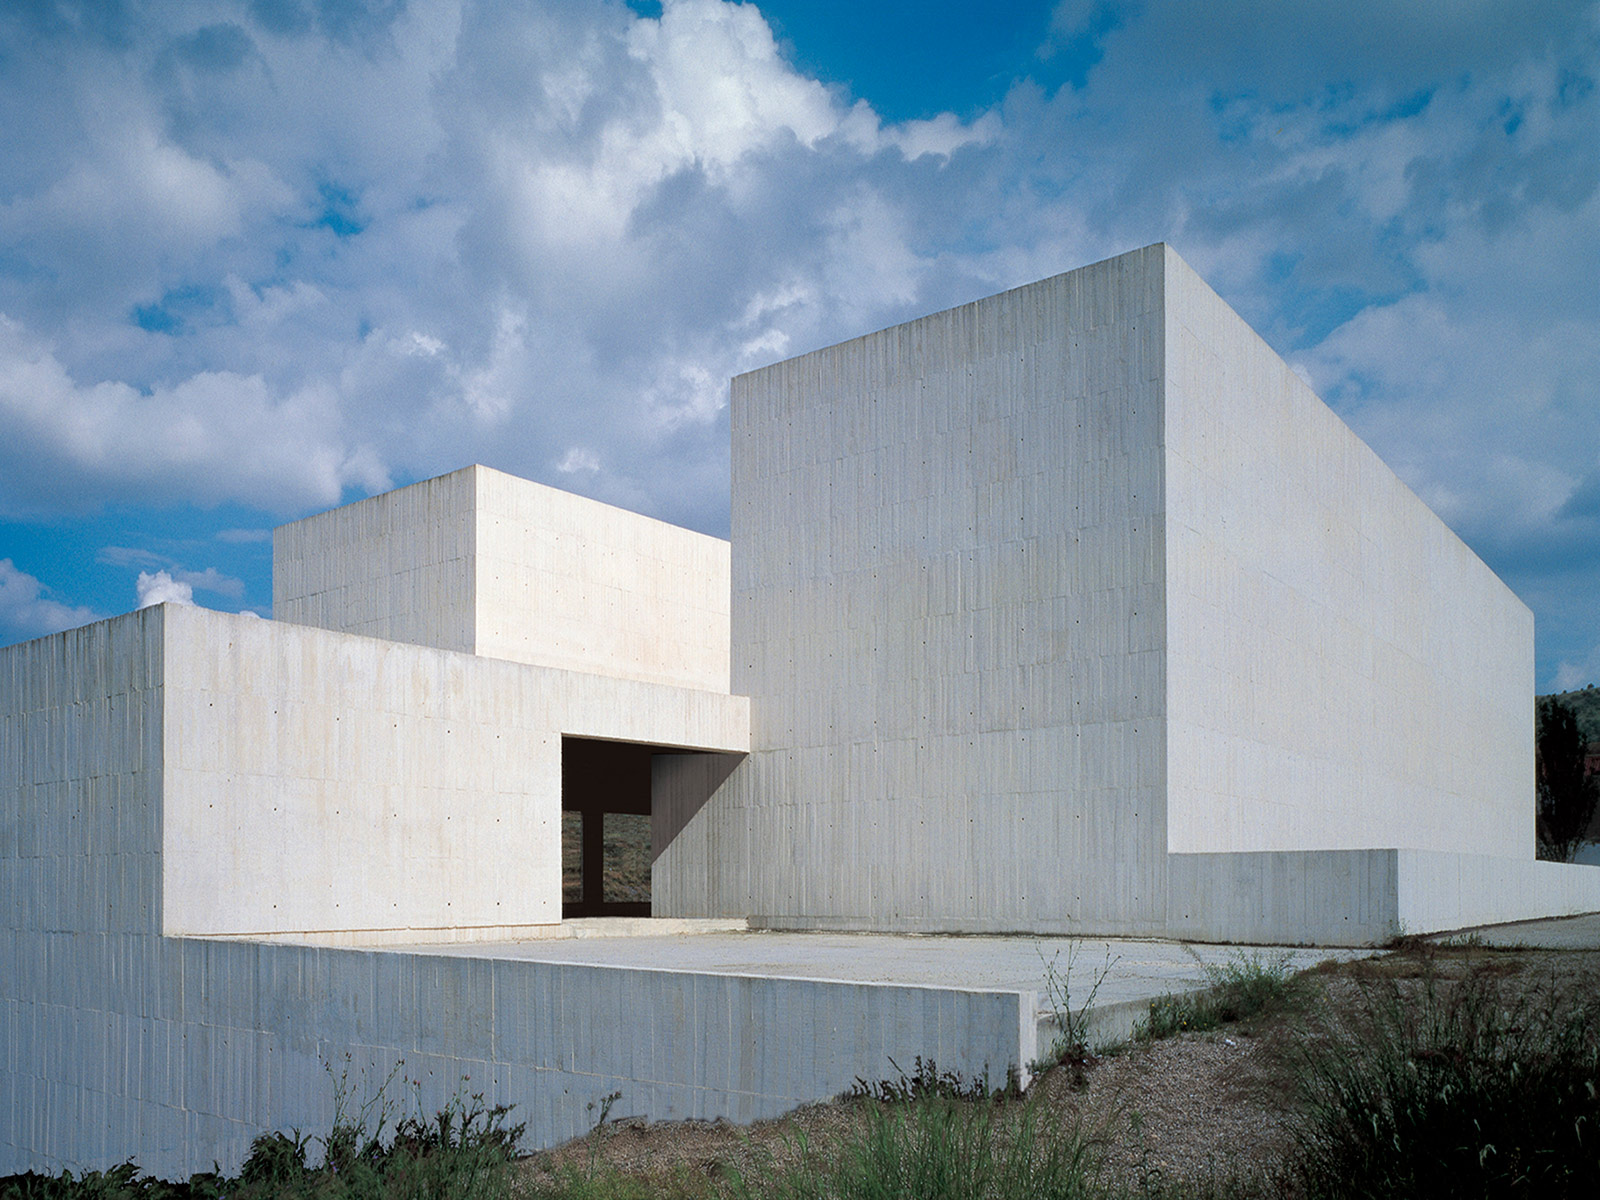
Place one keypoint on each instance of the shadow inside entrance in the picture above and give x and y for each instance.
(621, 803)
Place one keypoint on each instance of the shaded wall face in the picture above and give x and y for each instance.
(948, 613)
(80, 889)
(80, 782)
(398, 566)
(1343, 672)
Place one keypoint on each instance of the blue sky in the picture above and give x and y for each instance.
(258, 257)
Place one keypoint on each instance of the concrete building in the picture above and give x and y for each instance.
(1073, 609)
(1070, 611)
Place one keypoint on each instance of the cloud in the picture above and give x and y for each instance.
(1571, 675)
(162, 588)
(551, 228)
(208, 580)
(279, 253)
(214, 436)
(27, 609)
(577, 461)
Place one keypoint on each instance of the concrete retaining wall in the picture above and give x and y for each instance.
(1363, 897)
(178, 1051)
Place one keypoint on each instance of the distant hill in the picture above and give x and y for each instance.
(1585, 703)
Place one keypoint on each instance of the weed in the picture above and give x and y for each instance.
(926, 1082)
(1439, 1087)
(1071, 1043)
(597, 1134)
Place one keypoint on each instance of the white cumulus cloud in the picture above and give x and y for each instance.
(161, 588)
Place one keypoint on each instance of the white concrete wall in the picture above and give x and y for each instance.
(316, 781)
(1457, 891)
(949, 615)
(118, 1042)
(484, 562)
(1342, 671)
(567, 582)
(397, 566)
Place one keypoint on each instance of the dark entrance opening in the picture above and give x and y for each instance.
(605, 828)
(621, 804)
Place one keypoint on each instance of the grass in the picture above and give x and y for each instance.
(1437, 1086)
(1245, 986)
(935, 1148)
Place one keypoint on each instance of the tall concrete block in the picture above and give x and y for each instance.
(1045, 597)
(948, 612)
(492, 565)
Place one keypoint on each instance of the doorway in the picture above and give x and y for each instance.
(605, 828)
(621, 804)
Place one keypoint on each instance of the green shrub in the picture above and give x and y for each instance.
(465, 1152)
(1243, 987)
(1440, 1088)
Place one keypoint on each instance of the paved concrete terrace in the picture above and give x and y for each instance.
(1129, 972)
(1555, 933)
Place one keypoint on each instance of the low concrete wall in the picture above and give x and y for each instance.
(1310, 897)
(1363, 897)
(178, 1051)
(1457, 891)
